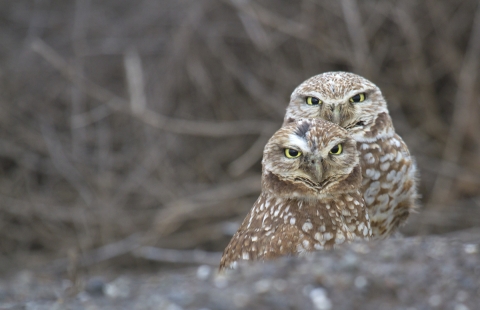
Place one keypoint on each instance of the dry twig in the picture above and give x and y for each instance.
(465, 97)
(186, 127)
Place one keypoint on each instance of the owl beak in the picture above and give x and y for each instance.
(316, 170)
(313, 165)
(336, 115)
(319, 172)
(332, 113)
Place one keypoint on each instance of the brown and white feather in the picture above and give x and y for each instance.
(309, 203)
(389, 171)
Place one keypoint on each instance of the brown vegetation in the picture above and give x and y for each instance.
(122, 117)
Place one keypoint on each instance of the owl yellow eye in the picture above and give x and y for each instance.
(358, 98)
(313, 101)
(336, 150)
(291, 153)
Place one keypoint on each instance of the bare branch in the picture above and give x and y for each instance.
(62, 163)
(99, 255)
(250, 157)
(357, 35)
(186, 127)
(465, 97)
(134, 71)
(169, 218)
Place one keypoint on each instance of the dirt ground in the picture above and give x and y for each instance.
(432, 272)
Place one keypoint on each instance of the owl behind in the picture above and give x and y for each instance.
(356, 104)
(310, 196)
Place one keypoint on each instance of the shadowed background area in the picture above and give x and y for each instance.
(145, 121)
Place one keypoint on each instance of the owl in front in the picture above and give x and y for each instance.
(388, 170)
(311, 198)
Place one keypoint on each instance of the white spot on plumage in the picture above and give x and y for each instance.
(396, 142)
(391, 175)
(307, 226)
(385, 166)
(340, 238)
(328, 236)
(318, 246)
(361, 226)
(399, 157)
(386, 157)
(276, 212)
(292, 221)
(371, 192)
(265, 217)
(365, 231)
(386, 185)
(369, 158)
(382, 201)
(364, 146)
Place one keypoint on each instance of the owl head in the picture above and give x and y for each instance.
(310, 158)
(344, 98)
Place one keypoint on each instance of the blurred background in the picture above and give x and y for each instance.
(146, 120)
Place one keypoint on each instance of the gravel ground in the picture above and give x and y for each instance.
(433, 272)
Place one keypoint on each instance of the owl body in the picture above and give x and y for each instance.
(388, 170)
(309, 201)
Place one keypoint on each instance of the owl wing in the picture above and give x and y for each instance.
(389, 177)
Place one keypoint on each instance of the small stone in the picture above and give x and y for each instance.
(470, 248)
(320, 299)
(241, 300)
(280, 284)
(95, 286)
(221, 281)
(159, 302)
(461, 307)
(360, 282)
(83, 297)
(263, 286)
(435, 300)
(203, 272)
(119, 288)
(461, 296)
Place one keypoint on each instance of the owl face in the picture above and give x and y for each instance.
(346, 99)
(306, 158)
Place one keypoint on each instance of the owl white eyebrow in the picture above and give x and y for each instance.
(298, 142)
(314, 94)
(336, 142)
(352, 93)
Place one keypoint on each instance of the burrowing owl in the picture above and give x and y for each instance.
(310, 198)
(356, 104)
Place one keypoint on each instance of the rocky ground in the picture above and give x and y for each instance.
(432, 272)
